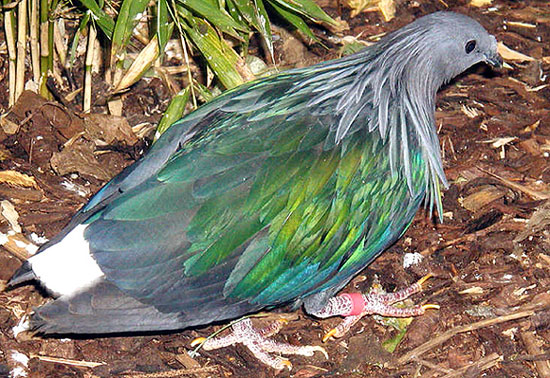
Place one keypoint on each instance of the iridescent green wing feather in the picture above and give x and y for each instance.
(259, 206)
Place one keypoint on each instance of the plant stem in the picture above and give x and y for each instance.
(88, 70)
(59, 43)
(46, 44)
(35, 47)
(189, 74)
(21, 51)
(9, 30)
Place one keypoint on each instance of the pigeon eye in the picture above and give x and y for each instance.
(470, 46)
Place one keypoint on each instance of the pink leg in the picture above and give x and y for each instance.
(354, 306)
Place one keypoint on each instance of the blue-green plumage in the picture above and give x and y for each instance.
(276, 192)
(283, 210)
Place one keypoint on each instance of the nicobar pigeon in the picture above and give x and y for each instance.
(276, 192)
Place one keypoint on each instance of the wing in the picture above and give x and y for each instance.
(259, 208)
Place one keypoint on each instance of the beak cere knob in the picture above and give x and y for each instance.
(495, 60)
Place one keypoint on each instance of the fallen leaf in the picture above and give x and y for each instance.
(531, 146)
(11, 215)
(27, 102)
(18, 245)
(531, 128)
(480, 3)
(538, 222)
(64, 121)
(309, 371)
(387, 7)
(499, 142)
(469, 111)
(9, 127)
(106, 129)
(509, 54)
(115, 107)
(520, 24)
(140, 65)
(15, 178)
(479, 199)
(79, 157)
(66, 361)
(472, 290)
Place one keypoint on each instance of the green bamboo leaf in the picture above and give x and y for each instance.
(204, 92)
(238, 14)
(183, 12)
(105, 22)
(81, 27)
(255, 15)
(221, 58)
(164, 27)
(294, 20)
(391, 345)
(351, 48)
(265, 27)
(307, 8)
(173, 112)
(401, 325)
(216, 3)
(140, 65)
(218, 17)
(125, 23)
(245, 8)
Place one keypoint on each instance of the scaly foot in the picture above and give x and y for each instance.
(354, 306)
(259, 343)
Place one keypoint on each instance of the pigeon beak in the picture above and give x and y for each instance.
(494, 60)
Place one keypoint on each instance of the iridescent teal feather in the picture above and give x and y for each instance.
(288, 213)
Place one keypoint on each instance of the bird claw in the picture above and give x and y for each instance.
(424, 279)
(259, 344)
(330, 335)
(342, 328)
(309, 350)
(429, 306)
(284, 363)
(197, 341)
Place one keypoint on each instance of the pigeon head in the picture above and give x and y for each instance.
(432, 50)
(459, 42)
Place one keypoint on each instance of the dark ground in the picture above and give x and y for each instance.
(490, 257)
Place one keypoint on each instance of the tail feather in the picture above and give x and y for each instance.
(23, 274)
(102, 309)
(105, 309)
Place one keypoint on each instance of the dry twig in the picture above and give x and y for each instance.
(435, 367)
(480, 365)
(66, 361)
(526, 311)
(470, 237)
(533, 347)
(175, 373)
(522, 188)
